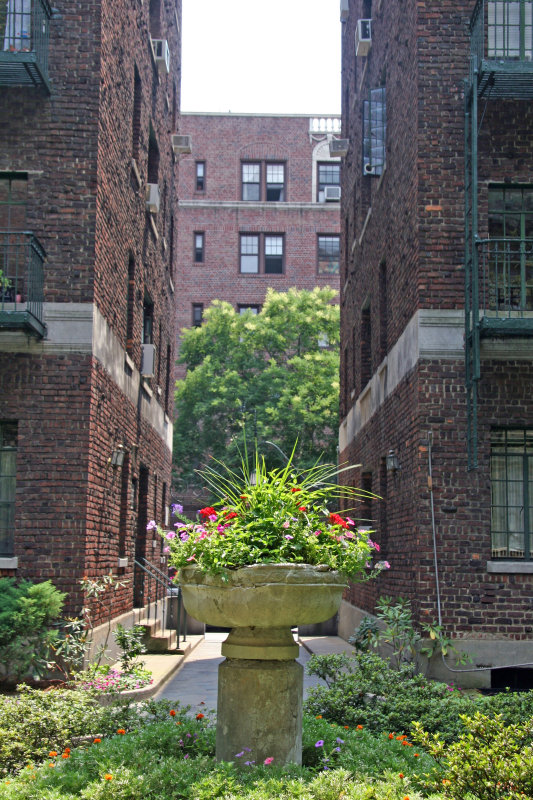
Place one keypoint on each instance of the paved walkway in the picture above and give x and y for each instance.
(195, 683)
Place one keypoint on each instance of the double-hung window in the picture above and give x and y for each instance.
(8, 479)
(251, 181)
(328, 254)
(329, 174)
(199, 247)
(275, 182)
(200, 176)
(511, 474)
(262, 253)
(263, 181)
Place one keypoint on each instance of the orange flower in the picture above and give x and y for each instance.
(51, 765)
(172, 712)
(446, 782)
(391, 736)
(65, 755)
(401, 775)
(359, 727)
(121, 731)
(416, 755)
(108, 777)
(52, 754)
(96, 741)
(318, 716)
(346, 727)
(178, 723)
(406, 797)
(66, 750)
(200, 716)
(406, 744)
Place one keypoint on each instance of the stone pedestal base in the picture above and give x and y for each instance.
(260, 707)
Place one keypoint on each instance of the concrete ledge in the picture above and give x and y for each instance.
(516, 567)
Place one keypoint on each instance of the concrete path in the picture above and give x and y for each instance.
(195, 683)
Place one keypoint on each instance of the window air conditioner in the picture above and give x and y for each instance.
(338, 147)
(345, 10)
(332, 193)
(161, 55)
(181, 144)
(147, 360)
(152, 198)
(363, 37)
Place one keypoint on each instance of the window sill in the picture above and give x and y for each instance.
(516, 567)
(146, 388)
(9, 563)
(128, 361)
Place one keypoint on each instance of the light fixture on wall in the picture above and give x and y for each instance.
(393, 465)
(117, 456)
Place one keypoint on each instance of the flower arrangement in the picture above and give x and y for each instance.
(273, 516)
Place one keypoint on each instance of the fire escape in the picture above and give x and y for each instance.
(498, 269)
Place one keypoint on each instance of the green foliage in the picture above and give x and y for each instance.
(267, 369)
(279, 517)
(489, 761)
(27, 613)
(365, 690)
(130, 641)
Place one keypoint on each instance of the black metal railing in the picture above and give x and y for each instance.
(506, 277)
(160, 597)
(22, 260)
(24, 42)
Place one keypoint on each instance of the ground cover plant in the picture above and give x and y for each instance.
(172, 756)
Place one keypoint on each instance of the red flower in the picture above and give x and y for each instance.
(302, 508)
(295, 489)
(231, 515)
(336, 519)
(207, 512)
(200, 716)
(172, 712)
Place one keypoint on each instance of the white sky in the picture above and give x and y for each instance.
(261, 56)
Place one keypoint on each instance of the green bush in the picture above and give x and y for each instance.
(490, 760)
(364, 690)
(27, 613)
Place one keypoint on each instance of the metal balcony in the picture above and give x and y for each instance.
(21, 282)
(501, 42)
(24, 42)
(505, 269)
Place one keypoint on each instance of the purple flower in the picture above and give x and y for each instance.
(176, 508)
(184, 536)
(340, 741)
(337, 749)
(386, 564)
(238, 755)
(320, 743)
(170, 535)
(152, 525)
(288, 536)
(249, 763)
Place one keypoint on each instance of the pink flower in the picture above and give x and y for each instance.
(386, 564)
(191, 558)
(288, 536)
(268, 761)
(166, 549)
(317, 533)
(152, 525)
(377, 547)
(286, 524)
(184, 536)
(170, 535)
(349, 521)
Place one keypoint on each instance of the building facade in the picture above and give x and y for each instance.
(437, 313)
(89, 103)
(259, 207)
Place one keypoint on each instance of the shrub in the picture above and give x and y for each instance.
(27, 613)
(490, 760)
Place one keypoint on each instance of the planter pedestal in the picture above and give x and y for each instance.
(260, 685)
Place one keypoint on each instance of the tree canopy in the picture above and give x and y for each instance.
(271, 376)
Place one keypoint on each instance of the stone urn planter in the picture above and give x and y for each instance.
(260, 685)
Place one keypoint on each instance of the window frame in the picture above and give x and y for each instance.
(198, 252)
(508, 445)
(264, 186)
(7, 503)
(275, 164)
(262, 258)
(319, 260)
(244, 183)
(197, 320)
(200, 176)
(320, 185)
(255, 308)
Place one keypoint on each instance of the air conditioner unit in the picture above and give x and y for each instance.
(152, 198)
(363, 37)
(338, 147)
(161, 55)
(345, 10)
(332, 193)
(181, 144)
(147, 360)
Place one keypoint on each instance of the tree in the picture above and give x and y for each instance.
(271, 376)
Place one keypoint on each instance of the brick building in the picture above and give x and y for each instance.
(89, 100)
(259, 207)
(436, 98)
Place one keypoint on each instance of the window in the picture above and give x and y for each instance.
(200, 176)
(374, 132)
(366, 347)
(261, 253)
(148, 320)
(510, 250)
(511, 473)
(249, 253)
(153, 157)
(13, 198)
(329, 248)
(197, 314)
(130, 305)
(8, 479)
(136, 118)
(251, 181)
(329, 174)
(257, 174)
(199, 247)
(273, 255)
(253, 309)
(155, 19)
(510, 29)
(275, 182)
